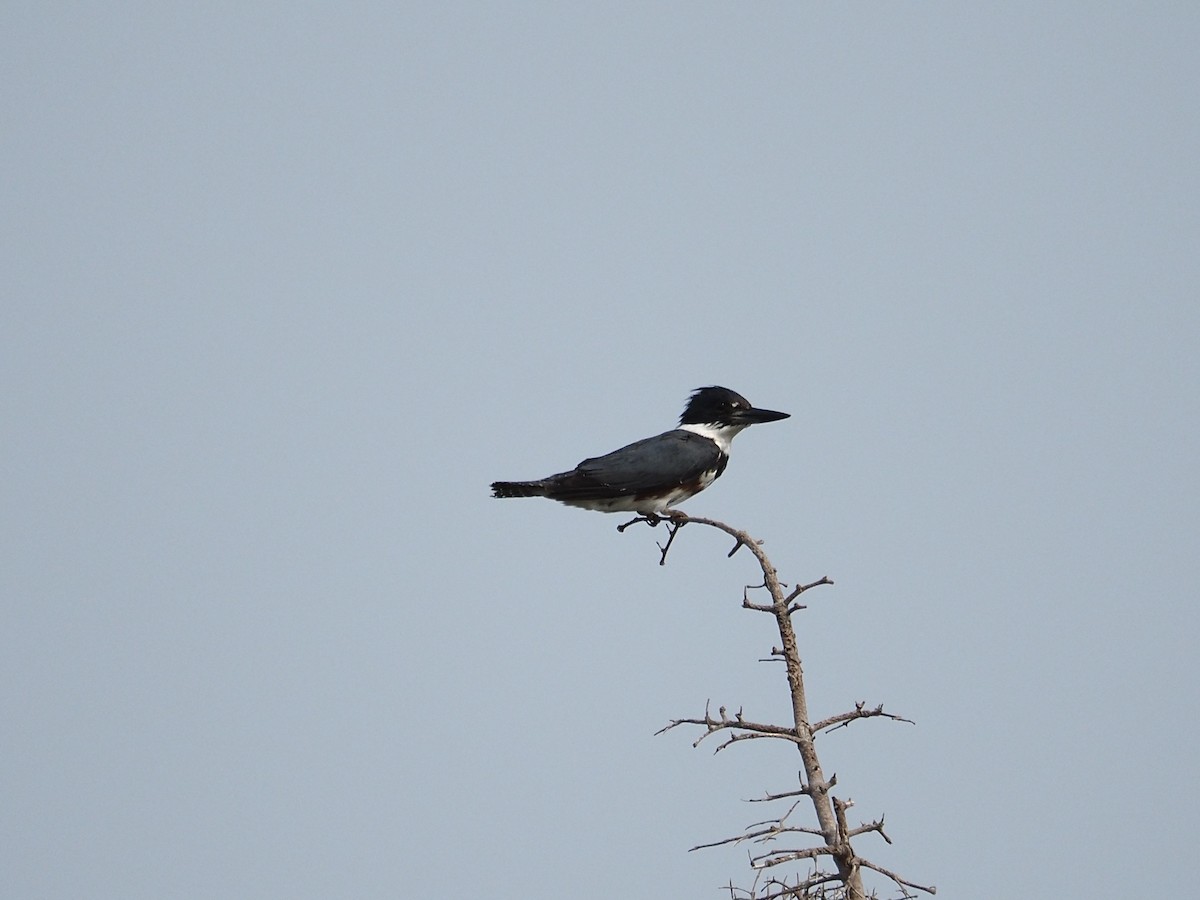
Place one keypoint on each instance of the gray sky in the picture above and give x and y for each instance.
(286, 288)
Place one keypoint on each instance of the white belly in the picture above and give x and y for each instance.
(648, 505)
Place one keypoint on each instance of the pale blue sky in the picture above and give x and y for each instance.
(287, 287)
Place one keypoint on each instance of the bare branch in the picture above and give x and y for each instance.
(747, 604)
(877, 825)
(801, 588)
(675, 521)
(733, 739)
(672, 530)
(805, 790)
(768, 831)
(930, 889)
(801, 888)
(841, 720)
(833, 835)
(747, 730)
(773, 829)
(649, 520)
(779, 857)
(839, 809)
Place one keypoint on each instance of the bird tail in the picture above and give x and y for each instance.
(519, 488)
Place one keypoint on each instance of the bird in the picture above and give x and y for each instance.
(649, 477)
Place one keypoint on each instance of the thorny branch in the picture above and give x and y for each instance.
(833, 830)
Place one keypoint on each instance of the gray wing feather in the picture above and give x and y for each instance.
(631, 469)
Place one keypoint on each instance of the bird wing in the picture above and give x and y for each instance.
(639, 467)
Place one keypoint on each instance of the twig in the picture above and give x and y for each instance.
(801, 588)
(672, 530)
(648, 519)
(930, 889)
(675, 521)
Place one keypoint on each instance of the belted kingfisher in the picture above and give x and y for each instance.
(650, 476)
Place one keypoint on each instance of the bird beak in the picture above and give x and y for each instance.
(754, 416)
